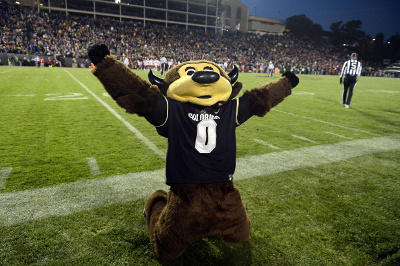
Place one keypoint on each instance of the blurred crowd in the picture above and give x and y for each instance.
(25, 31)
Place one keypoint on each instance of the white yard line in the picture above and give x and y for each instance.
(328, 123)
(138, 134)
(275, 162)
(64, 199)
(4, 174)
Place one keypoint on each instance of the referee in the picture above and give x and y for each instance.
(163, 65)
(351, 72)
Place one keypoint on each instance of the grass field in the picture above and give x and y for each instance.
(321, 183)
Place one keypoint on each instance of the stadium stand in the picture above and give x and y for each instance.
(392, 70)
(27, 34)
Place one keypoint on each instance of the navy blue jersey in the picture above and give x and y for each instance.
(201, 140)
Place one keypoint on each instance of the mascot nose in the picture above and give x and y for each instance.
(205, 77)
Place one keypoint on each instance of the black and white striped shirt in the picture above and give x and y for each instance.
(351, 67)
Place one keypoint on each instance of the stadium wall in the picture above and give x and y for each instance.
(3, 59)
(261, 25)
(235, 16)
(63, 61)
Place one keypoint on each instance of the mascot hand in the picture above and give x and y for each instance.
(129, 90)
(293, 79)
(97, 53)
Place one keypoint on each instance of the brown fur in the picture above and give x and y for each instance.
(190, 212)
(134, 94)
(268, 95)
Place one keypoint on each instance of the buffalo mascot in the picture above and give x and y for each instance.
(196, 109)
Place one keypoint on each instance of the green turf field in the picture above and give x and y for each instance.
(321, 183)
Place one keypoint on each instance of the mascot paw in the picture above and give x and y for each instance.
(294, 80)
(97, 53)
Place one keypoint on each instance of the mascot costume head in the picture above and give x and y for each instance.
(196, 109)
(198, 82)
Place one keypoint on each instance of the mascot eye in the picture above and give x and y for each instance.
(208, 69)
(190, 71)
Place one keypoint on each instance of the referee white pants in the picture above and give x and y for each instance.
(271, 72)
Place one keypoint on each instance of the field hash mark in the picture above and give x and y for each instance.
(337, 135)
(303, 138)
(266, 144)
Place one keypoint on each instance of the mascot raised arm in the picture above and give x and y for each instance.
(196, 109)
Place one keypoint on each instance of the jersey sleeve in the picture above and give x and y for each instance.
(160, 114)
(244, 110)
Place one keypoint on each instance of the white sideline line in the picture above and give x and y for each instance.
(8, 71)
(266, 144)
(385, 128)
(383, 91)
(303, 138)
(64, 199)
(337, 135)
(4, 174)
(27, 95)
(94, 167)
(138, 134)
(328, 123)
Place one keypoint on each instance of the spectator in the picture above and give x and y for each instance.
(28, 32)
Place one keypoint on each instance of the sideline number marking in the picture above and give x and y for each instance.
(4, 174)
(94, 167)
